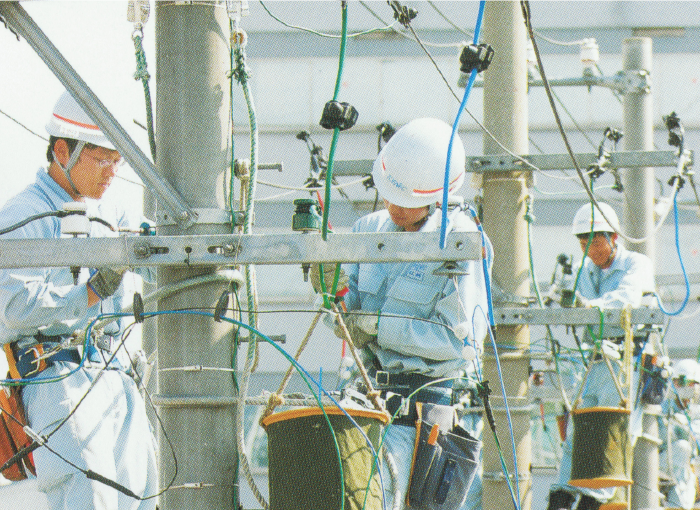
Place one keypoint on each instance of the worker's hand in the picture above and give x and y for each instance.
(328, 276)
(581, 302)
(554, 295)
(362, 329)
(105, 281)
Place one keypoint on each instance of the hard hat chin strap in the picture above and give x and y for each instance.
(71, 163)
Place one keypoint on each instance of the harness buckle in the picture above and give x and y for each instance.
(38, 360)
(382, 378)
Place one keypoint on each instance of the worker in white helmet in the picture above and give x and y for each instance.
(611, 277)
(678, 431)
(411, 313)
(41, 308)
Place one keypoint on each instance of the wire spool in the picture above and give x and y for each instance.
(304, 473)
(602, 452)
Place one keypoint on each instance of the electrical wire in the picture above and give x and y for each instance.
(456, 27)
(559, 43)
(488, 314)
(307, 189)
(478, 123)
(680, 259)
(455, 126)
(405, 35)
(515, 499)
(332, 36)
(331, 157)
(23, 126)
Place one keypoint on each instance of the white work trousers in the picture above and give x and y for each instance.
(108, 434)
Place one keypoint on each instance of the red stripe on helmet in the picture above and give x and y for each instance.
(76, 123)
(430, 191)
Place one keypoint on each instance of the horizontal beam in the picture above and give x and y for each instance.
(622, 159)
(229, 249)
(507, 163)
(572, 316)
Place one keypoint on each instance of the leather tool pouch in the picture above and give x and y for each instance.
(12, 436)
(445, 460)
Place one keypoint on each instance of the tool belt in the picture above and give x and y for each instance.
(29, 361)
(396, 388)
(445, 460)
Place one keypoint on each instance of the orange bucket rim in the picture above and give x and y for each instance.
(600, 482)
(585, 410)
(331, 410)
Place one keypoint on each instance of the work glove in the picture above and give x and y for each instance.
(553, 296)
(105, 281)
(581, 302)
(328, 276)
(362, 329)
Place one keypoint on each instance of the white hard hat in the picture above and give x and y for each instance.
(687, 369)
(69, 120)
(410, 169)
(582, 220)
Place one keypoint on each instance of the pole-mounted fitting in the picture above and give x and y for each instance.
(475, 56)
(403, 14)
(675, 129)
(338, 115)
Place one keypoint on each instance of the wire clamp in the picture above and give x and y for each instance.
(403, 14)
(338, 115)
(475, 56)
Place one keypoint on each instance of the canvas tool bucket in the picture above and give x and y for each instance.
(304, 473)
(601, 453)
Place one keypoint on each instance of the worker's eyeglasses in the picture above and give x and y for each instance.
(106, 163)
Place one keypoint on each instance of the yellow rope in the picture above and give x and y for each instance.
(626, 323)
(276, 398)
(372, 394)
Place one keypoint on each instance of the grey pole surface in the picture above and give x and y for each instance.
(192, 118)
(505, 115)
(645, 467)
(639, 223)
(638, 135)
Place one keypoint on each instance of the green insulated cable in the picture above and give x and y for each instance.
(331, 156)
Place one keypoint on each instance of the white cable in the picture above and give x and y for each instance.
(559, 43)
(394, 473)
(316, 188)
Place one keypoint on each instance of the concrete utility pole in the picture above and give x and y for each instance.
(505, 115)
(639, 223)
(192, 117)
(639, 135)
